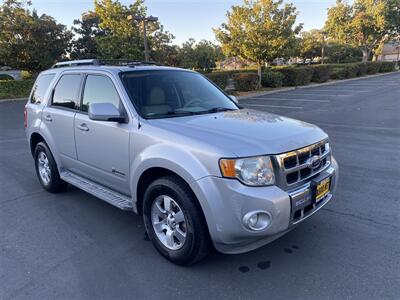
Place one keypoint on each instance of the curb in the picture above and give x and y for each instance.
(12, 100)
(286, 89)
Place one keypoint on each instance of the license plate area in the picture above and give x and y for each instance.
(321, 189)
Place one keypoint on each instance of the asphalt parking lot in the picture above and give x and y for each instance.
(74, 246)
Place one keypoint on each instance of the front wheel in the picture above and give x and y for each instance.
(174, 221)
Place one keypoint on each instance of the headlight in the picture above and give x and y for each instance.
(254, 171)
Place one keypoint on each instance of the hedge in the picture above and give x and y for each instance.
(373, 67)
(338, 74)
(245, 81)
(294, 76)
(362, 69)
(322, 73)
(351, 70)
(272, 79)
(10, 89)
(219, 78)
(387, 66)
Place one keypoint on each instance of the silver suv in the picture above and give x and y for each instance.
(169, 145)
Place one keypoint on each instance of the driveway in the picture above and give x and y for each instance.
(74, 246)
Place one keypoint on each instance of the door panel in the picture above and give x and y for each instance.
(60, 124)
(58, 118)
(103, 151)
(102, 147)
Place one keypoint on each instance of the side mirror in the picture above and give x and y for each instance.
(105, 112)
(234, 99)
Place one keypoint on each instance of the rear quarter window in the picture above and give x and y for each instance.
(40, 88)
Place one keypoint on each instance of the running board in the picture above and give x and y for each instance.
(105, 194)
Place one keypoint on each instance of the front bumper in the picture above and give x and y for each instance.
(226, 201)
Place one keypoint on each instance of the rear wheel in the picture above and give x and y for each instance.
(46, 169)
(174, 221)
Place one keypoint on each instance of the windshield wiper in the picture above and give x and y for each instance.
(169, 114)
(217, 109)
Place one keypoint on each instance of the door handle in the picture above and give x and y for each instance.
(83, 127)
(48, 118)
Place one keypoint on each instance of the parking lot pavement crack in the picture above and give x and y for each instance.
(22, 196)
(360, 218)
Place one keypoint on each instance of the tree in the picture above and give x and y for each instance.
(310, 44)
(365, 24)
(29, 41)
(86, 30)
(259, 31)
(202, 55)
(342, 53)
(122, 38)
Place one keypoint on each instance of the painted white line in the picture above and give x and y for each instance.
(287, 99)
(341, 89)
(316, 94)
(277, 106)
(358, 126)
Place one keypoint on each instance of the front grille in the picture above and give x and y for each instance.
(294, 168)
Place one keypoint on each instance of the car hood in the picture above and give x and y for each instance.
(245, 132)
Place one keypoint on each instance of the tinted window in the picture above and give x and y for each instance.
(66, 91)
(99, 89)
(174, 93)
(40, 88)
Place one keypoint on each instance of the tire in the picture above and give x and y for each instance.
(44, 162)
(196, 244)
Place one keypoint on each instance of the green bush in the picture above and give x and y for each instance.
(373, 67)
(338, 73)
(15, 89)
(245, 81)
(387, 66)
(26, 75)
(322, 73)
(219, 78)
(272, 79)
(351, 70)
(294, 76)
(362, 69)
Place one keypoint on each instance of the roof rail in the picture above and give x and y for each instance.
(127, 62)
(102, 62)
(72, 63)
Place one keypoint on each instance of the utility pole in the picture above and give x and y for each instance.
(323, 47)
(144, 20)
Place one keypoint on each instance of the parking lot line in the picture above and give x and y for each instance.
(316, 94)
(343, 89)
(287, 99)
(359, 127)
(276, 106)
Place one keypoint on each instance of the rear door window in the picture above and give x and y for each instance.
(66, 93)
(40, 88)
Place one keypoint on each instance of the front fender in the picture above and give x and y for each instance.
(184, 163)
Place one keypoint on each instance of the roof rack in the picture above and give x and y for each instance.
(73, 63)
(104, 62)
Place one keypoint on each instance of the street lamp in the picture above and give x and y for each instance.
(144, 20)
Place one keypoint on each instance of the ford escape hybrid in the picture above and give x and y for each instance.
(169, 145)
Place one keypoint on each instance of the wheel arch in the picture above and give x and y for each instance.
(35, 139)
(147, 177)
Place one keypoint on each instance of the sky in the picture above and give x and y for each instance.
(184, 18)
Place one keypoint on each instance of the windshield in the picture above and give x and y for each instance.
(165, 93)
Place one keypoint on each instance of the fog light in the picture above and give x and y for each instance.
(257, 220)
(253, 220)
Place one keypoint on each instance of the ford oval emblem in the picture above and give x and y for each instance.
(314, 162)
